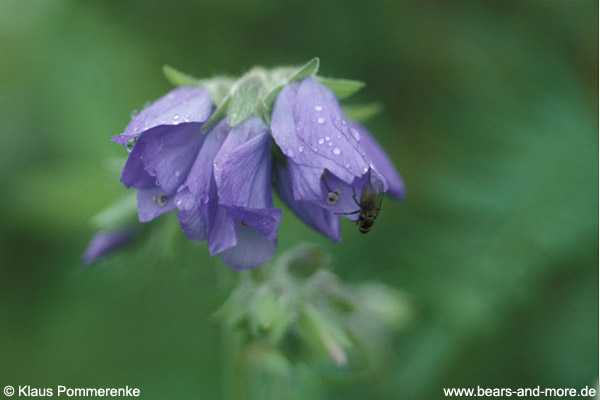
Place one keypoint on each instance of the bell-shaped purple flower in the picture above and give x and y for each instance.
(329, 159)
(169, 137)
(226, 198)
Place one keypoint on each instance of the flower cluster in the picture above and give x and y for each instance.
(220, 179)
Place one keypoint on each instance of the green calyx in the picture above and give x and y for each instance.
(255, 92)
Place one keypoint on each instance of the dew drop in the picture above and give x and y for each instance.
(320, 120)
(330, 143)
(134, 113)
(290, 152)
(327, 138)
(321, 141)
(343, 122)
(300, 149)
(177, 173)
(337, 151)
(347, 165)
(176, 116)
(365, 169)
(318, 108)
(355, 134)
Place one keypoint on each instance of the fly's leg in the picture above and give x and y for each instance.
(348, 213)
(354, 196)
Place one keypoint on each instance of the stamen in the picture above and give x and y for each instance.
(333, 197)
(160, 199)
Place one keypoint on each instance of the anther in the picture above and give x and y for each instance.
(333, 197)
(160, 199)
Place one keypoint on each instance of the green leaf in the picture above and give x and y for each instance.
(179, 78)
(243, 101)
(362, 112)
(217, 115)
(342, 88)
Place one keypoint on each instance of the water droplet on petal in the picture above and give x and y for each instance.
(290, 153)
(177, 173)
(176, 116)
(330, 143)
(347, 165)
(343, 122)
(320, 120)
(355, 134)
(300, 149)
(134, 113)
(321, 141)
(365, 169)
(327, 138)
(318, 108)
(337, 151)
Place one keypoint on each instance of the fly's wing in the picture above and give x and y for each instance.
(375, 190)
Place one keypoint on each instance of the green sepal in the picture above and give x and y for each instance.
(342, 88)
(217, 115)
(178, 78)
(309, 69)
(244, 100)
(362, 112)
(324, 335)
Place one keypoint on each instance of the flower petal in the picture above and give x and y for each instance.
(242, 167)
(152, 203)
(201, 174)
(181, 105)
(381, 161)
(264, 220)
(314, 216)
(134, 174)
(223, 230)
(252, 250)
(190, 215)
(309, 127)
(105, 242)
(168, 153)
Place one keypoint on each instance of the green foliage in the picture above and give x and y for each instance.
(490, 114)
(295, 312)
(362, 112)
(342, 87)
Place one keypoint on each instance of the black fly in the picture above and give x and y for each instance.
(369, 206)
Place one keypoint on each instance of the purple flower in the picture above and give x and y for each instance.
(329, 160)
(168, 139)
(220, 181)
(226, 198)
(105, 242)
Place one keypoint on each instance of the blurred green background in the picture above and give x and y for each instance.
(490, 115)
